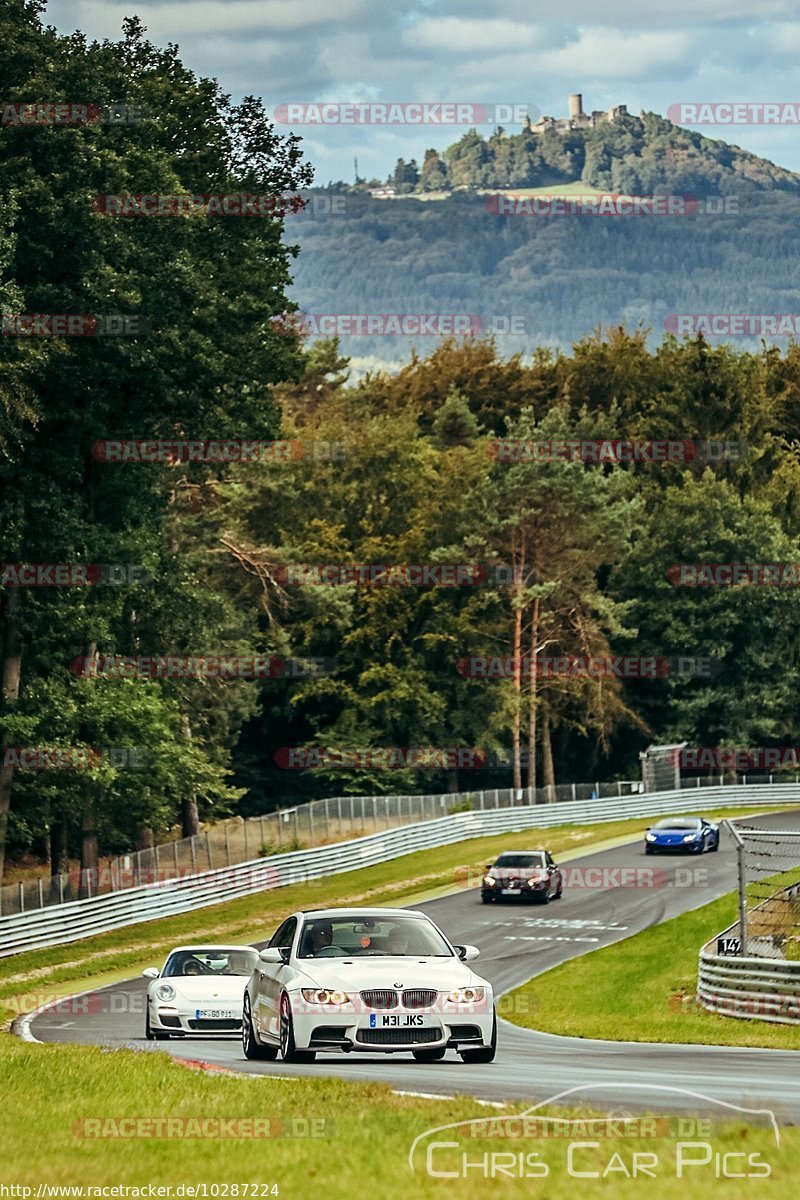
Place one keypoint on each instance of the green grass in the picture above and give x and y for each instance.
(642, 990)
(367, 1132)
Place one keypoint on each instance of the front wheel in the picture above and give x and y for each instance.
(432, 1055)
(289, 1051)
(715, 845)
(486, 1053)
(253, 1049)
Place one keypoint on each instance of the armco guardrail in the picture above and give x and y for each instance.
(301, 827)
(751, 988)
(82, 918)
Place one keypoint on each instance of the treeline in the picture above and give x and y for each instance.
(632, 155)
(208, 289)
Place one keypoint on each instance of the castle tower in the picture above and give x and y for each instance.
(575, 106)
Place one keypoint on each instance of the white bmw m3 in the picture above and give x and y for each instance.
(376, 980)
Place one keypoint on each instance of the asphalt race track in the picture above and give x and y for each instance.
(518, 942)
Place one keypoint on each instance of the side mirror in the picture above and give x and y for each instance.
(488, 866)
(272, 954)
(467, 953)
(150, 972)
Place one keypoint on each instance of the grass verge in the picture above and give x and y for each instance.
(642, 990)
(361, 1149)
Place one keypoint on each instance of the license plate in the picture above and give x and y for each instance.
(215, 1014)
(398, 1021)
(511, 891)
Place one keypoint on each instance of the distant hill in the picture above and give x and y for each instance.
(633, 155)
(557, 276)
(563, 275)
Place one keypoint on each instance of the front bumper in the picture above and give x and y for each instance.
(524, 891)
(166, 1018)
(673, 847)
(368, 1032)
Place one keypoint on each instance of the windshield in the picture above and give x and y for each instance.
(210, 961)
(376, 936)
(679, 823)
(520, 860)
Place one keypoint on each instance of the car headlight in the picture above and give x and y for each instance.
(490, 881)
(691, 837)
(166, 992)
(467, 995)
(649, 837)
(324, 996)
(537, 877)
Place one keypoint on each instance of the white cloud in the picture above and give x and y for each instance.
(179, 21)
(605, 54)
(463, 36)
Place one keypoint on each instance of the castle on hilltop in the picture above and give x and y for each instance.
(577, 119)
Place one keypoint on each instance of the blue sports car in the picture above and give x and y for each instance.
(690, 835)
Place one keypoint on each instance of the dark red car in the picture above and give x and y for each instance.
(524, 875)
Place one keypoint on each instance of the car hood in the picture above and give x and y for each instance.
(401, 972)
(200, 987)
(673, 836)
(506, 874)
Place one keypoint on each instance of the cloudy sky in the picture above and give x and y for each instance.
(640, 54)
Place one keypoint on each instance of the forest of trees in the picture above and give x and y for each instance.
(395, 468)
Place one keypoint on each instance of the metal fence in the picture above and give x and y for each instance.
(78, 919)
(317, 823)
